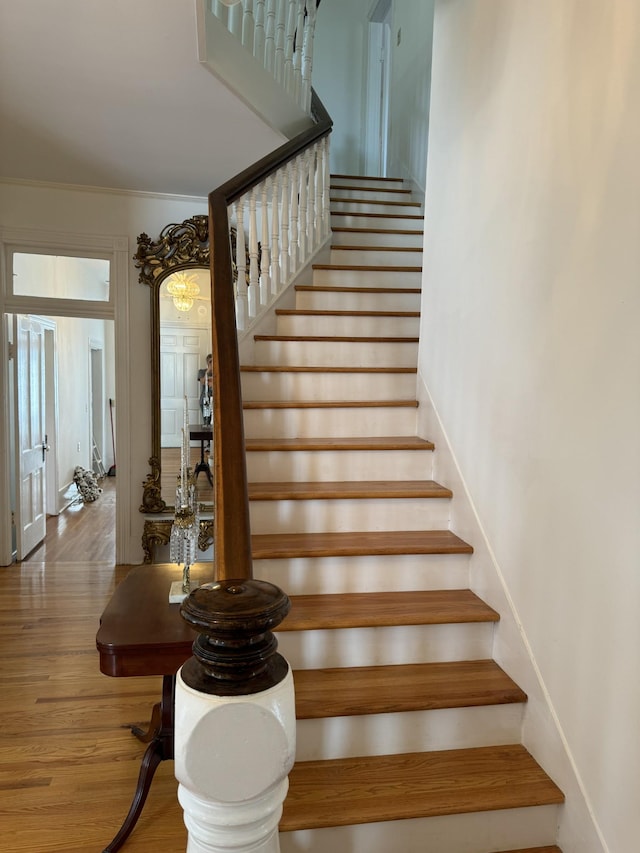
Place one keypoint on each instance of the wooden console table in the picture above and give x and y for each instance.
(142, 634)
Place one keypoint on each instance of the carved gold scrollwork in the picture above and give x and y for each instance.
(151, 489)
(157, 532)
(179, 245)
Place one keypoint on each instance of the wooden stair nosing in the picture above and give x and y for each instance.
(399, 688)
(283, 368)
(298, 312)
(552, 849)
(332, 611)
(366, 268)
(270, 546)
(348, 791)
(369, 189)
(348, 200)
(365, 339)
(327, 288)
(377, 215)
(366, 248)
(329, 404)
(344, 229)
(351, 489)
(364, 177)
(349, 443)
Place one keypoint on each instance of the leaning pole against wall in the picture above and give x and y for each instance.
(234, 719)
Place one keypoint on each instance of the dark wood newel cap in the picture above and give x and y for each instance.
(235, 651)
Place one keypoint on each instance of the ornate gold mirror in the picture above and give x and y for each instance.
(176, 269)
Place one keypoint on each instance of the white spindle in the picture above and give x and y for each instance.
(280, 24)
(236, 14)
(221, 11)
(297, 58)
(270, 37)
(314, 200)
(265, 281)
(275, 235)
(248, 25)
(258, 45)
(307, 54)
(294, 236)
(303, 242)
(242, 302)
(288, 46)
(326, 175)
(319, 187)
(284, 228)
(254, 273)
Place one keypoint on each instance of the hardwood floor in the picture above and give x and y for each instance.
(68, 765)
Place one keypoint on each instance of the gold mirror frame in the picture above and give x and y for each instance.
(181, 246)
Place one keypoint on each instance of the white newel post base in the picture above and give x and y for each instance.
(232, 758)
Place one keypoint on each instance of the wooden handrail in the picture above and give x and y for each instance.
(231, 524)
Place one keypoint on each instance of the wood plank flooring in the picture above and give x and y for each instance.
(68, 764)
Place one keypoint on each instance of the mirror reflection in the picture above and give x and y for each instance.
(184, 344)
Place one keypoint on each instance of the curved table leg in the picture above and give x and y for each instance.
(155, 724)
(160, 739)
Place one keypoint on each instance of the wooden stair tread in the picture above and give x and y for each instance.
(368, 267)
(347, 791)
(385, 609)
(364, 178)
(365, 489)
(326, 288)
(283, 368)
(339, 338)
(400, 688)
(265, 546)
(302, 312)
(360, 188)
(410, 442)
(377, 248)
(552, 849)
(347, 200)
(329, 404)
(344, 229)
(377, 215)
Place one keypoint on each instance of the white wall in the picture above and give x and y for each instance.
(530, 346)
(69, 211)
(409, 89)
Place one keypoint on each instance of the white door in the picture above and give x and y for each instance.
(180, 359)
(31, 440)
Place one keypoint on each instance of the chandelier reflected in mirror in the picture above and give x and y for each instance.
(184, 289)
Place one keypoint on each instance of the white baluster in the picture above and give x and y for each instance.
(236, 14)
(280, 23)
(275, 235)
(242, 301)
(319, 186)
(265, 279)
(254, 274)
(303, 241)
(297, 57)
(284, 228)
(248, 25)
(258, 46)
(313, 166)
(293, 236)
(288, 46)
(326, 201)
(307, 54)
(270, 37)
(221, 11)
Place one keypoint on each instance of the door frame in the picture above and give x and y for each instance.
(377, 92)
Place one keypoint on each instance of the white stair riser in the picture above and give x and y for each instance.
(386, 646)
(371, 238)
(415, 731)
(373, 257)
(326, 465)
(367, 573)
(476, 832)
(366, 278)
(276, 385)
(332, 324)
(346, 514)
(377, 193)
(380, 220)
(327, 300)
(367, 182)
(307, 353)
(357, 206)
(329, 422)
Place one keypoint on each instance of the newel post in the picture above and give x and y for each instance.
(234, 719)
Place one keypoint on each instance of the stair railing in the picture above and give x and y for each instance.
(279, 34)
(280, 210)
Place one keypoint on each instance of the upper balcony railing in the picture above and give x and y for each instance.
(279, 34)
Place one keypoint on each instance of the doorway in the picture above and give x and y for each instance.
(377, 100)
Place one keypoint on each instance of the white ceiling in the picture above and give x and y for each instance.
(110, 93)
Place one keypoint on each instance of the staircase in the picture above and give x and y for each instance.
(408, 731)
